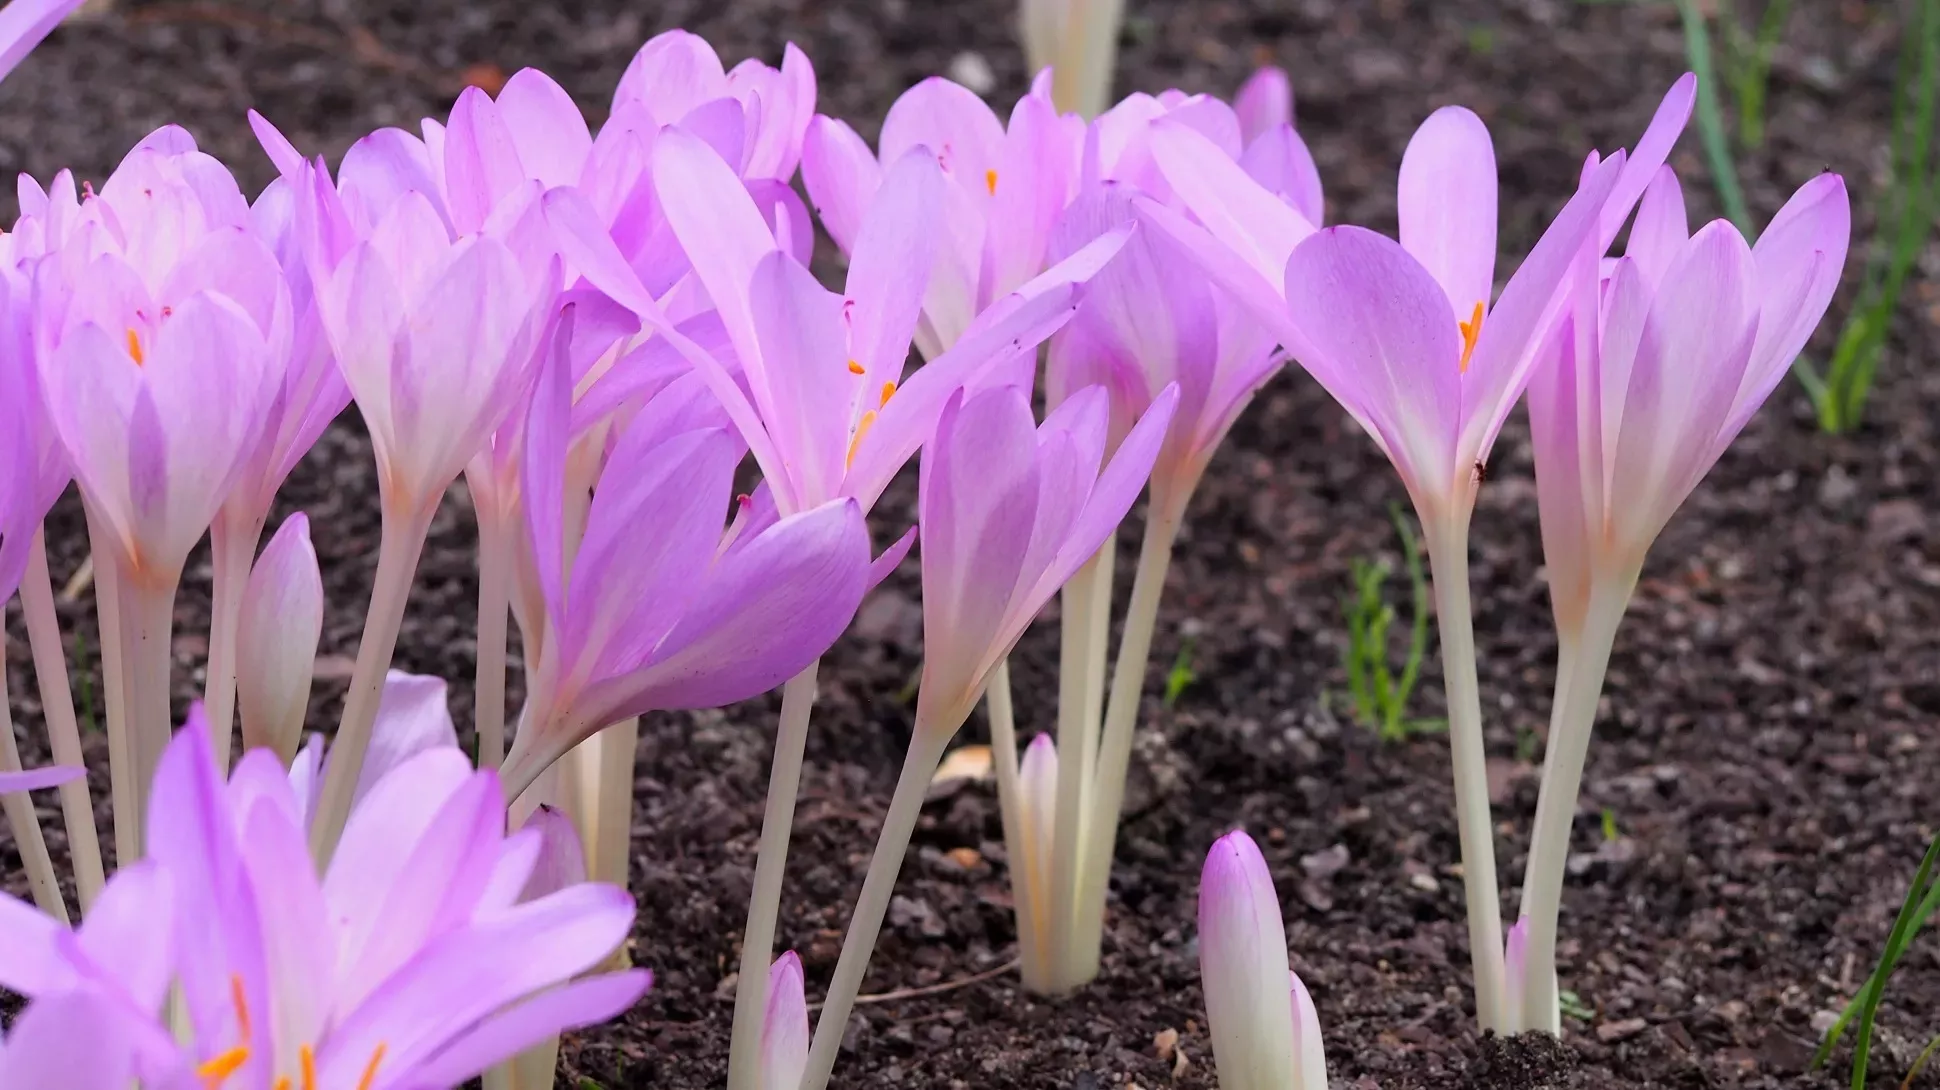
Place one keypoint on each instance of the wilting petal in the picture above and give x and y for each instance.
(1243, 968)
(1448, 206)
(276, 646)
(1383, 344)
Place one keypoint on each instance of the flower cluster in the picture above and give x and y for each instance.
(599, 331)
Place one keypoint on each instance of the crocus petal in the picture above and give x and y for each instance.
(1264, 103)
(1280, 161)
(1384, 344)
(1694, 351)
(1516, 957)
(561, 859)
(1653, 148)
(1111, 498)
(413, 716)
(1310, 1055)
(890, 559)
(546, 128)
(889, 267)
(1258, 226)
(1800, 258)
(784, 1029)
(582, 1003)
(30, 963)
(39, 778)
(66, 1041)
(298, 956)
(1243, 968)
(813, 394)
(841, 175)
(1447, 206)
(1030, 188)
(1661, 229)
(956, 125)
(276, 646)
(23, 23)
(671, 74)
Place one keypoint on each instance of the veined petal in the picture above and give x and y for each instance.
(413, 716)
(1653, 148)
(1448, 206)
(67, 1041)
(276, 646)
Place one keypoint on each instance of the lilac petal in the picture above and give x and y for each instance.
(1264, 103)
(1384, 345)
(1566, 458)
(298, 954)
(1448, 206)
(841, 175)
(30, 963)
(381, 168)
(1309, 1050)
(473, 973)
(39, 778)
(547, 441)
(1258, 226)
(282, 154)
(1661, 229)
(643, 374)
(413, 716)
(518, 859)
(889, 268)
(1800, 258)
(671, 74)
(481, 160)
(23, 24)
(1625, 314)
(1652, 150)
(1512, 333)
(956, 125)
(546, 127)
(979, 493)
(1029, 190)
(561, 860)
(784, 1028)
(1262, 296)
(812, 393)
(582, 1003)
(67, 1041)
(1280, 161)
(1070, 449)
(890, 560)
(1695, 347)
(1243, 967)
(128, 932)
(1112, 497)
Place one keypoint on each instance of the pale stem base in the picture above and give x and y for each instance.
(63, 732)
(397, 564)
(1086, 639)
(771, 863)
(1166, 513)
(114, 692)
(148, 631)
(232, 549)
(19, 808)
(1034, 959)
(925, 750)
(494, 603)
(1572, 717)
(1448, 565)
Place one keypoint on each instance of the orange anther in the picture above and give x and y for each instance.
(1471, 333)
(134, 347)
(861, 429)
(370, 1069)
(990, 181)
(217, 1070)
(888, 389)
(856, 368)
(240, 999)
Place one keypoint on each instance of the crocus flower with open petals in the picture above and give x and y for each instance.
(1008, 511)
(1664, 357)
(1006, 186)
(690, 620)
(677, 75)
(1266, 1035)
(24, 23)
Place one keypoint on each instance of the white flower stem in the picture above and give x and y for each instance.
(925, 750)
(771, 864)
(147, 633)
(1086, 638)
(114, 692)
(494, 603)
(63, 732)
(1583, 661)
(1447, 541)
(618, 745)
(1166, 512)
(232, 551)
(1034, 960)
(397, 563)
(19, 808)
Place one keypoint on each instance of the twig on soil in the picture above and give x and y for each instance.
(933, 989)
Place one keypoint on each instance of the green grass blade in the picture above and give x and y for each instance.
(1921, 899)
(1717, 145)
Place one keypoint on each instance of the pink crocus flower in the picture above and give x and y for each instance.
(24, 23)
(676, 76)
(1006, 186)
(691, 619)
(1008, 511)
(1265, 1033)
(1664, 356)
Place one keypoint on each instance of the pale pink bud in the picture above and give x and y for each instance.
(784, 1032)
(1243, 967)
(276, 647)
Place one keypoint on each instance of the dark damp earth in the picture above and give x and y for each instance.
(1769, 730)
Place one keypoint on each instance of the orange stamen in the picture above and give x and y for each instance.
(217, 1070)
(888, 389)
(306, 1059)
(990, 181)
(134, 347)
(861, 429)
(282, 1083)
(1471, 333)
(370, 1071)
(241, 1000)
(855, 368)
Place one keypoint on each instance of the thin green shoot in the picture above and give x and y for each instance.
(1380, 695)
(1181, 676)
(1922, 898)
(1920, 1064)
(1610, 833)
(1572, 1006)
(1710, 117)
(1528, 743)
(1908, 212)
(1748, 59)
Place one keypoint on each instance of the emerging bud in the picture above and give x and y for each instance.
(562, 860)
(282, 621)
(1037, 782)
(784, 1033)
(1265, 1033)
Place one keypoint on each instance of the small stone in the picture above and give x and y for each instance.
(1165, 1042)
(1612, 1032)
(1325, 863)
(973, 71)
(1425, 883)
(967, 858)
(1823, 1021)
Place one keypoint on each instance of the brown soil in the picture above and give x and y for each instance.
(1769, 737)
